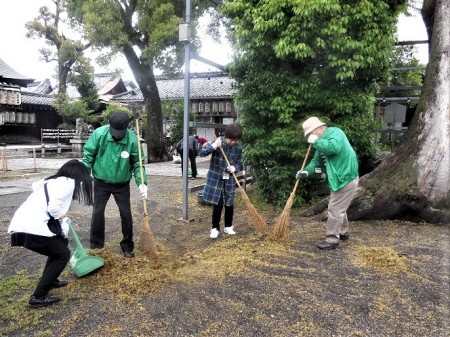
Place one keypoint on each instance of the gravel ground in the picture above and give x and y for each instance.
(390, 279)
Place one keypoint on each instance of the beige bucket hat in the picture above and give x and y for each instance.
(311, 124)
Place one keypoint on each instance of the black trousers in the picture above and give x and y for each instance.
(217, 214)
(55, 248)
(192, 156)
(121, 194)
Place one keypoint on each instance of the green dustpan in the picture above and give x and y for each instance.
(81, 262)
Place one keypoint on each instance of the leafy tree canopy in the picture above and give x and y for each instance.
(73, 67)
(67, 52)
(296, 59)
(149, 26)
(146, 32)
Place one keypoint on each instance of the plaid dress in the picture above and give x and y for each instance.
(215, 184)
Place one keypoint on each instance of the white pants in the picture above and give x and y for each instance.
(337, 222)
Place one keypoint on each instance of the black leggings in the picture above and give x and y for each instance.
(55, 248)
(217, 213)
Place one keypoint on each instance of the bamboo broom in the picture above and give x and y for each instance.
(281, 226)
(257, 220)
(147, 241)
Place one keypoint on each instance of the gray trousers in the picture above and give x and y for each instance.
(337, 222)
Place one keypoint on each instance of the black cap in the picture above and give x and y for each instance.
(118, 124)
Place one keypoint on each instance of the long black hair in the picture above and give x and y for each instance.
(76, 170)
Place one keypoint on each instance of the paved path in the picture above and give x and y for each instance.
(21, 182)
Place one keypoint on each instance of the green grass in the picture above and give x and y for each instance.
(15, 315)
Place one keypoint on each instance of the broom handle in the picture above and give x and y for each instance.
(140, 162)
(228, 164)
(75, 236)
(301, 169)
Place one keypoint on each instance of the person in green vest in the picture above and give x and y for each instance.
(333, 153)
(112, 155)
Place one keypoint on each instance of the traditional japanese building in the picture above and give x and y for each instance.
(211, 98)
(107, 84)
(26, 106)
(23, 112)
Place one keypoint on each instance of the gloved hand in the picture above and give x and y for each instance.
(65, 222)
(312, 138)
(217, 143)
(143, 189)
(301, 174)
(231, 169)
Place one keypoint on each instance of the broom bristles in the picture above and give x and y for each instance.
(147, 242)
(257, 220)
(281, 227)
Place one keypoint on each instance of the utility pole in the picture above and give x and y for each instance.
(185, 36)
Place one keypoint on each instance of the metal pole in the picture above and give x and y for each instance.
(187, 56)
(34, 159)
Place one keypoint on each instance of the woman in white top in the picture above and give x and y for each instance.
(29, 225)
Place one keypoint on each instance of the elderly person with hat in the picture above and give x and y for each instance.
(111, 154)
(334, 154)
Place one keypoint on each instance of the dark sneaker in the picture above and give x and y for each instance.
(59, 283)
(327, 245)
(37, 302)
(344, 237)
(128, 255)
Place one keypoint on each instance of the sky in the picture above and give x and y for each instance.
(22, 53)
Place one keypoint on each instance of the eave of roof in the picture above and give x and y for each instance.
(36, 99)
(9, 75)
(202, 85)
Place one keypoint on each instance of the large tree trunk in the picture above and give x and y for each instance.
(414, 181)
(152, 104)
(63, 73)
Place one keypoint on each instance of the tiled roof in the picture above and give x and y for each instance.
(102, 79)
(9, 85)
(202, 85)
(42, 87)
(9, 75)
(130, 95)
(36, 98)
(130, 85)
(105, 83)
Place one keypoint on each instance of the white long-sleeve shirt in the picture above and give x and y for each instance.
(32, 216)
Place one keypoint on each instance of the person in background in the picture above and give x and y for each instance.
(337, 156)
(111, 154)
(201, 141)
(29, 228)
(220, 187)
(193, 150)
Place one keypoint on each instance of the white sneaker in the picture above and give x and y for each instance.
(229, 230)
(214, 233)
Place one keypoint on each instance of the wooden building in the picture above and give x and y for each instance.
(211, 98)
(23, 112)
(26, 106)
